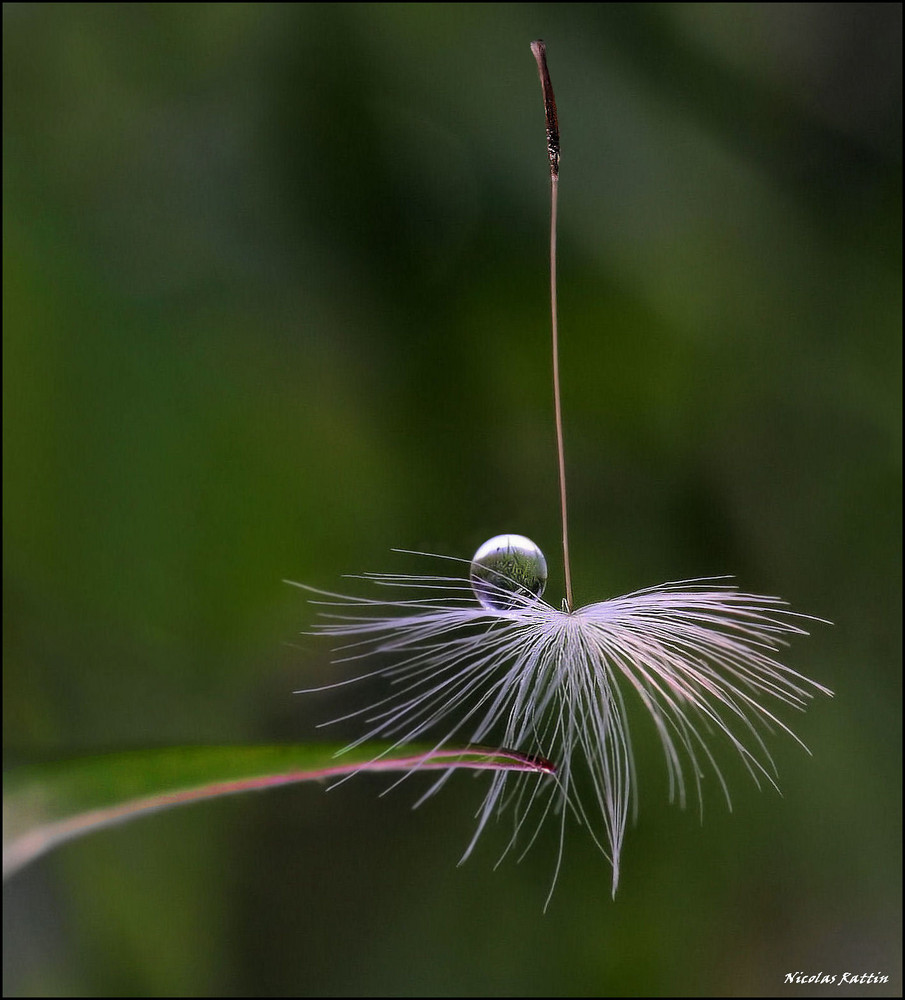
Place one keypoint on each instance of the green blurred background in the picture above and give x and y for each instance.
(276, 302)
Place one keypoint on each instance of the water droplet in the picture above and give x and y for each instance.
(507, 569)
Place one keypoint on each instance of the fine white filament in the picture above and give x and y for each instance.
(552, 683)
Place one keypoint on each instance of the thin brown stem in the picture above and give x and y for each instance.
(540, 54)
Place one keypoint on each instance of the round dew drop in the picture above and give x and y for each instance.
(506, 571)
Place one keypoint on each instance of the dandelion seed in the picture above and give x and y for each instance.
(491, 662)
(477, 654)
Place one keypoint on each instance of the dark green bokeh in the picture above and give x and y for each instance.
(275, 301)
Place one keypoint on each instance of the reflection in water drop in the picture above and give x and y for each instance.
(507, 570)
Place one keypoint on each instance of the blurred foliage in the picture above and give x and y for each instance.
(275, 302)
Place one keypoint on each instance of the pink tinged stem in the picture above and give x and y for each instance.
(41, 837)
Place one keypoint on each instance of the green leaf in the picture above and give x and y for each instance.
(46, 804)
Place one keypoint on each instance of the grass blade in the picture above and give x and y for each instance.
(47, 804)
